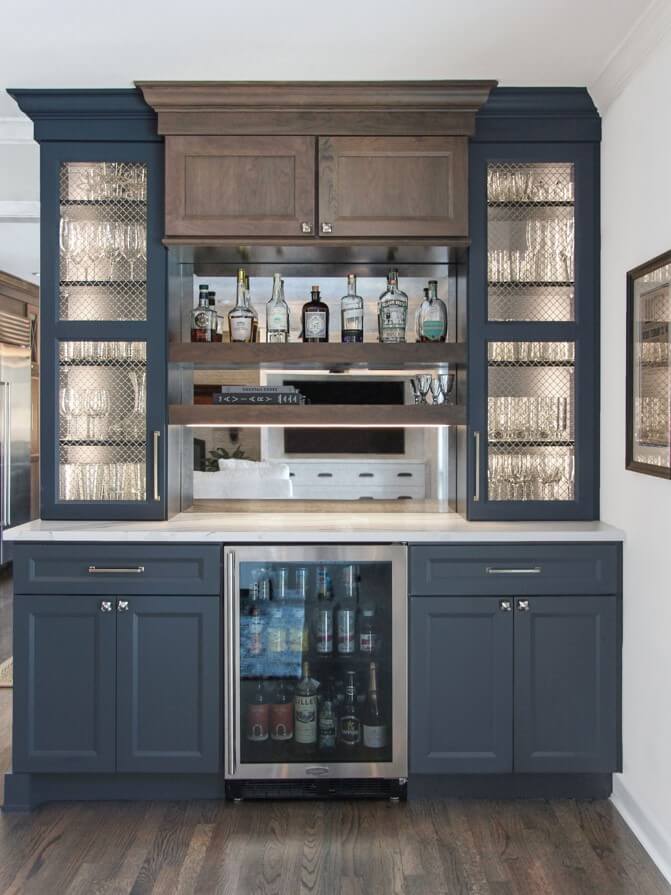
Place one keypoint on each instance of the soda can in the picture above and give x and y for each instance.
(302, 579)
(281, 589)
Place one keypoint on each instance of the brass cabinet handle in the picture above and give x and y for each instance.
(476, 495)
(522, 605)
(122, 606)
(532, 570)
(306, 227)
(157, 495)
(106, 606)
(118, 570)
(326, 227)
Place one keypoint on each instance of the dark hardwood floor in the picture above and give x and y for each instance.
(345, 848)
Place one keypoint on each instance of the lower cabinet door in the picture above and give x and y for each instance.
(168, 684)
(64, 688)
(461, 685)
(566, 684)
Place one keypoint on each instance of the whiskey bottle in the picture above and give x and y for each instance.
(258, 715)
(431, 320)
(374, 724)
(277, 313)
(315, 319)
(216, 321)
(201, 317)
(255, 316)
(351, 313)
(350, 723)
(392, 311)
(327, 723)
(305, 709)
(241, 318)
(281, 714)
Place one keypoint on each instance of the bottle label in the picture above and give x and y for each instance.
(352, 319)
(202, 319)
(350, 730)
(394, 312)
(367, 642)
(306, 718)
(327, 731)
(433, 330)
(281, 721)
(277, 319)
(315, 324)
(296, 639)
(346, 638)
(375, 737)
(241, 329)
(257, 723)
(277, 640)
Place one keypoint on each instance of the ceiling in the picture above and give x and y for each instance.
(518, 42)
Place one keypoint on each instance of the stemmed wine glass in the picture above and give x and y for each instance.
(424, 385)
(72, 408)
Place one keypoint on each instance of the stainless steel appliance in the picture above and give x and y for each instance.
(339, 615)
(15, 422)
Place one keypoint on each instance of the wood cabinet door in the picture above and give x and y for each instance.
(566, 684)
(64, 690)
(168, 684)
(393, 186)
(240, 186)
(461, 685)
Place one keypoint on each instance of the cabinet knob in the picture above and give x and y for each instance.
(106, 606)
(522, 605)
(506, 605)
(326, 227)
(306, 227)
(122, 606)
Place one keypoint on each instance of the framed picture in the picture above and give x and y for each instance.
(648, 447)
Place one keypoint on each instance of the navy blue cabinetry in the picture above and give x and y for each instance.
(533, 307)
(103, 298)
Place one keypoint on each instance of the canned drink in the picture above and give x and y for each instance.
(302, 578)
(281, 590)
(324, 583)
(346, 634)
(264, 589)
(350, 580)
(324, 631)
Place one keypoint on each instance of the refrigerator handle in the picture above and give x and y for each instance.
(6, 454)
(231, 666)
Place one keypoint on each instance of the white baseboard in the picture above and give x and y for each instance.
(654, 840)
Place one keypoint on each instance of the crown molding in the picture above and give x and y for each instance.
(19, 211)
(650, 30)
(16, 131)
(15, 287)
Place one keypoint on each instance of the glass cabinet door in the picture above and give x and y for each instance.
(320, 668)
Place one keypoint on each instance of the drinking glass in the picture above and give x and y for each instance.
(424, 384)
(446, 385)
(98, 408)
(437, 396)
(72, 408)
(415, 390)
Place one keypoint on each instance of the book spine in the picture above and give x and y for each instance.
(248, 398)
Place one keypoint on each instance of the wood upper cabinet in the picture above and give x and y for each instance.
(240, 186)
(393, 186)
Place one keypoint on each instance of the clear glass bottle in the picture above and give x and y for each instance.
(367, 632)
(305, 709)
(431, 320)
(351, 313)
(374, 723)
(392, 311)
(258, 715)
(216, 322)
(201, 317)
(350, 723)
(277, 313)
(255, 314)
(315, 318)
(328, 724)
(241, 318)
(281, 714)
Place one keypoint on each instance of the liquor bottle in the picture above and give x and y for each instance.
(392, 311)
(255, 316)
(350, 723)
(431, 319)
(315, 319)
(351, 313)
(305, 709)
(277, 313)
(258, 715)
(277, 632)
(367, 632)
(374, 725)
(281, 714)
(216, 322)
(241, 317)
(201, 317)
(327, 723)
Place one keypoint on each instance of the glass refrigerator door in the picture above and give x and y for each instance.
(319, 676)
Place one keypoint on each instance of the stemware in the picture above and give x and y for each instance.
(437, 396)
(446, 385)
(416, 393)
(424, 384)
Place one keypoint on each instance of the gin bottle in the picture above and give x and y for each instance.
(431, 320)
(242, 318)
(315, 318)
(392, 311)
(277, 313)
(351, 312)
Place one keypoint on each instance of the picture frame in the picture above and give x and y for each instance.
(648, 379)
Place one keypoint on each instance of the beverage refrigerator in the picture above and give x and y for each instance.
(316, 671)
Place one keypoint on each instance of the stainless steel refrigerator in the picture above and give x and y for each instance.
(316, 671)
(15, 423)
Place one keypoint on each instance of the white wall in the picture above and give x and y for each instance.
(636, 226)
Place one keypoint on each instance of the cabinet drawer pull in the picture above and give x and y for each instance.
(366, 475)
(404, 475)
(532, 570)
(324, 475)
(99, 570)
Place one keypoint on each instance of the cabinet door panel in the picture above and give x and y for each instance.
(393, 186)
(239, 186)
(566, 685)
(64, 657)
(168, 685)
(461, 684)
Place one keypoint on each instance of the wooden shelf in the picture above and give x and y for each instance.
(309, 415)
(319, 356)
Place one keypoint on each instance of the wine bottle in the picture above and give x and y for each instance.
(350, 723)
(374, 724)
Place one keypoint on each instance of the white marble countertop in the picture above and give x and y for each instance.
(314, 527)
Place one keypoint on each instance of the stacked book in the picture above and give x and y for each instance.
(259, 394)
